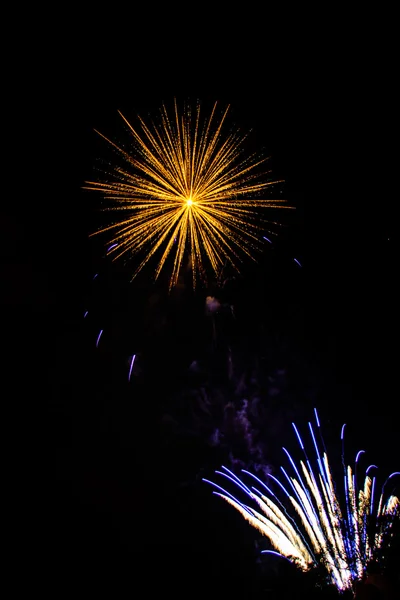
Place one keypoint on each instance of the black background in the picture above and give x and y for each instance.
(104, 501)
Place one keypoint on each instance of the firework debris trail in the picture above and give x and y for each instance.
(345, 540)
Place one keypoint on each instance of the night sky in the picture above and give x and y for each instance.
(115, 497)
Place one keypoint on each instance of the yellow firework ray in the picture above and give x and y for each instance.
(187, 190)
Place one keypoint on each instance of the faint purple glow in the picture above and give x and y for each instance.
(296, 261)
(111, 247)
(268, 240)
(95, 276)
(342, 432)
(86, 312)
(316, 416)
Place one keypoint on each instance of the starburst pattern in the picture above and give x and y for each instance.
(345, 538)
(187, 190)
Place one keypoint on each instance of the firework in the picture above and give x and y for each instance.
(186, 190)
(345, 537)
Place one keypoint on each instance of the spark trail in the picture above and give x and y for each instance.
(310, 526)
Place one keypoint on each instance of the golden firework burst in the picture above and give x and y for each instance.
(186, 189)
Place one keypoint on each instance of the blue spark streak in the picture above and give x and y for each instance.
(298, 436)
(238, 483)
(358, 454)
(370, 467)
(275, 553)
(131, 366)
(98, 338)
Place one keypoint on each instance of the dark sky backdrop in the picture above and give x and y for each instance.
(110, 501)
